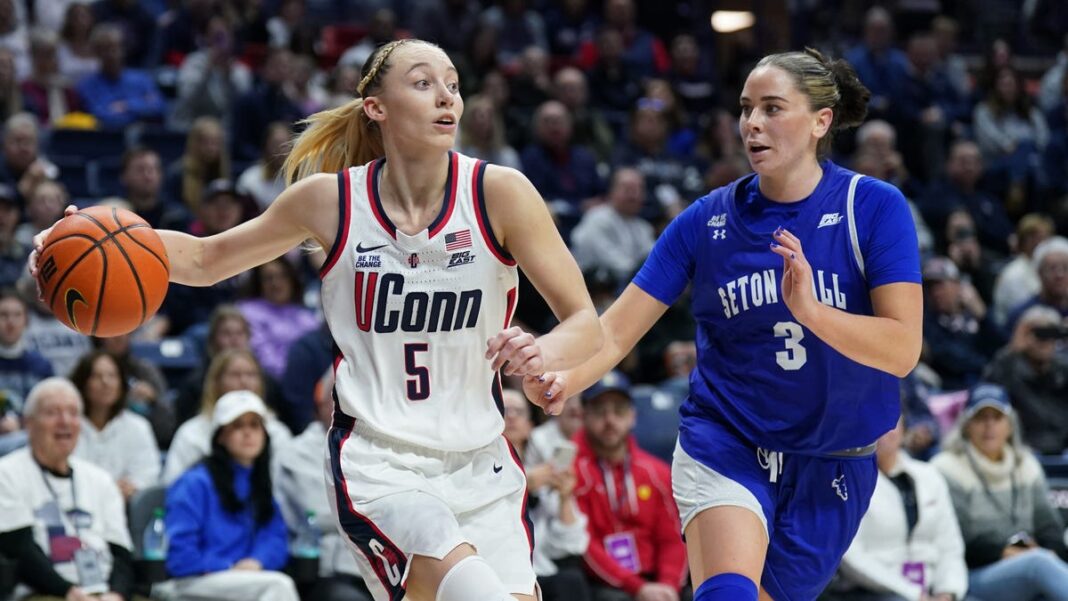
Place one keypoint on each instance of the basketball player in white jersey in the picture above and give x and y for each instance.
(418, 289)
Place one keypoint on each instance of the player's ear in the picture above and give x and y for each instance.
(823, 120)
(374, 109)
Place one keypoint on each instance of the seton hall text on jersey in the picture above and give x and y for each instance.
(440, 310)
(762, 288)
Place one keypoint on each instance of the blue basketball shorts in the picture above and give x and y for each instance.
(810, 506)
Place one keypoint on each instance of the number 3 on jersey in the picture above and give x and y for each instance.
(418, 385)
(795, 355)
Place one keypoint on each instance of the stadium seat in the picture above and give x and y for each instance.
(1058, 495)
(86, 144)
(104, 177)
(657, 420)
(140, 510)
(175, 356)
(1055, 466)
(169, 144)
(74, 175)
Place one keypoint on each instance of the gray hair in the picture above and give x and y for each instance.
(20, 121)
(1041, 313)
(1056, 244)
(873, 127)
(47, 387)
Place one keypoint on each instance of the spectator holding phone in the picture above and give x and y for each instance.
(560, 536)
(1036, 378)
(1013, 536)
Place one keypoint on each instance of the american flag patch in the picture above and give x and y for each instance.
(458, 240)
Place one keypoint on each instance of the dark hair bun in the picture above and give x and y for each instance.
(852, 105)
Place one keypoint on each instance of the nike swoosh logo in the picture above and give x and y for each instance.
(360, 248)
(70, 298)
(497, 468)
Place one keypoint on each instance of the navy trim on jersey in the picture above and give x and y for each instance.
(528, 525)
(482, 215)
(344, 200)
(360, 530)
(447, 203)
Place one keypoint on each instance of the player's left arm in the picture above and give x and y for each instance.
(891, 339)
(521, 221)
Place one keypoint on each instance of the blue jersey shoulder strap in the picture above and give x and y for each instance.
(850, 199)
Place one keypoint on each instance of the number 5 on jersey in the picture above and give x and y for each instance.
(418, 385)
(795, 355)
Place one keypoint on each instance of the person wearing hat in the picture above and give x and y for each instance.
(12, 253)
(635, 551)
(227, 536)
(1014, 538)
(960, 336)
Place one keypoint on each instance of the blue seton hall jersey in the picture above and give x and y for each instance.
(410, 315)
(767, 376)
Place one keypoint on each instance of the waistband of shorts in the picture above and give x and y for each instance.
(344, 421)
(854, 452)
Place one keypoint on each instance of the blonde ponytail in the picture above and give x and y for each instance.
(333, 140)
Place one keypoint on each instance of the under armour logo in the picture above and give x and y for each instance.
(840, 487)
(719, 234)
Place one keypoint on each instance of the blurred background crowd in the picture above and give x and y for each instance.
(622, 113)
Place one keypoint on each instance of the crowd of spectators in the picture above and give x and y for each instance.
(621, 113)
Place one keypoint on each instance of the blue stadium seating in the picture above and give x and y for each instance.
(657, 425)
(168, 143)
(87, 144)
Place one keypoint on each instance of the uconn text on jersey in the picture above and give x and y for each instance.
(381, 302)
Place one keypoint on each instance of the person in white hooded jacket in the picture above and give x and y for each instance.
(909, 546)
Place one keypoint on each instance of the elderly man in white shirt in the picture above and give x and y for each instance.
(909, 546)
(613, 235)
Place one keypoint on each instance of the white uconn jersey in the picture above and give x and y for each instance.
(410, 315)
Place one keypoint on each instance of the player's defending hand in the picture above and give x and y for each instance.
(797, 288)
(546, 391)
(38, 245)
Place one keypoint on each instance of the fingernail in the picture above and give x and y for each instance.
(773, 245)
(548, 395)
(541, 378)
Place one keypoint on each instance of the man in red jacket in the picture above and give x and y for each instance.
(636, 550)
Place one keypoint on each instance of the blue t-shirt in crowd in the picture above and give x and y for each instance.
(761, 372)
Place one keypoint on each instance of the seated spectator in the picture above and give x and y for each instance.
(450, 23)
(268, 101)
(1036, 378)
(227, 329)
(922, 433)
(227, 535)
(1018, 279)
(142, 178)
(482, 134)
(959, 335)
(1012, 134)
(309, 355)
(13, 253)
(20, 370)
(1051, 262)
(185, 306)
(276, 313)
(613, 235)
(262, 181)
(76, 57)
(10, 93)
(210, 79)
(340, 84)
(229, 371)
(556, 432)
(300, 486)
(147, 387)
(113, 437)
(57, 343)
(381, 29)
(693, 76)
(635, 549)
(138, 26)
(590, 128)
(118, 96)
(560, 534)
(961, 189)
(879, 65)
(47, 93)
(205, 160)
(908, 545)
(59, 511)
(564, 172)
(518, 26)
(978, 264)
(23, 167)
(44, 207)
(615, 86)
(1012, 533)
(643, 53)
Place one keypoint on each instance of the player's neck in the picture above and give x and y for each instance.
(793, 183)
(412, 183)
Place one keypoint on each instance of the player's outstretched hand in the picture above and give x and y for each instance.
(38, 245)
(546, 391)
(516, 351)
(796, 276)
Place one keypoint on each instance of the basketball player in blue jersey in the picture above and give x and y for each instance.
(806, 293)
(419, 285)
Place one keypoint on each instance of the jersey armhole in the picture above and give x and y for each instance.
(854, 239)
(482, 215)
(341, 238)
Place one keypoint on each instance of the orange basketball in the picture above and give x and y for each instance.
(103, 271)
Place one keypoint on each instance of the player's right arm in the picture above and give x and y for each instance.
(305, 210)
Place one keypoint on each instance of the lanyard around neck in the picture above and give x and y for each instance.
(59, 505)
